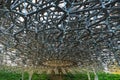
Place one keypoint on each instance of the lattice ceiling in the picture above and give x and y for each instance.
(77, 30)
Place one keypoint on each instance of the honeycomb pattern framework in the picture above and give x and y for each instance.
(78, 30)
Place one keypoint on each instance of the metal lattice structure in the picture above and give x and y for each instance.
(76, 30)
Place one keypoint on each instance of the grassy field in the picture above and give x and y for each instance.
(83, 76)
(8, 75)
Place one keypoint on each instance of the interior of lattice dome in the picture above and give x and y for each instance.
(59, 39)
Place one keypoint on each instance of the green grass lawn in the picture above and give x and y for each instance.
(8, 75)
(83, 76)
